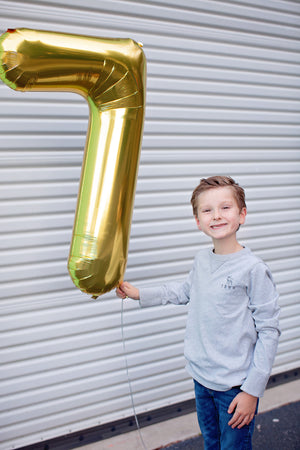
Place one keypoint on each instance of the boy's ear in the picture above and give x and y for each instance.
(198, 223)
(243, 214)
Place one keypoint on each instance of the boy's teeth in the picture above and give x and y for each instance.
(218, 226)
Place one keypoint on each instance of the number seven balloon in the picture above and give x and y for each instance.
(110, 74)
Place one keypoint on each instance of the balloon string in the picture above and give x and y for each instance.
(128, 378)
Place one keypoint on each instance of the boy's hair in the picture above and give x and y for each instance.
(216, 182)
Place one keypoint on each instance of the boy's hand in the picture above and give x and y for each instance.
(243, 406)
(127, 290)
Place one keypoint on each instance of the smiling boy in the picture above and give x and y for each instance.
(232, 327)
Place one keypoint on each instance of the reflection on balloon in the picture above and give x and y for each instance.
(110, 74)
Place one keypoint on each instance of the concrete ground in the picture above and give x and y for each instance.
(277, 429)
(183, 432)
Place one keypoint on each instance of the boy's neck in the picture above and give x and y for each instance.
(226, 247)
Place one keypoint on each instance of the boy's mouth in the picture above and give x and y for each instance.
(218, 226)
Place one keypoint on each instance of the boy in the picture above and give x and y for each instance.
(232, 327)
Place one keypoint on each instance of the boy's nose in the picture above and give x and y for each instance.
(216, 214)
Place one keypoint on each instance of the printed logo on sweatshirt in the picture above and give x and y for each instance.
(228, 284)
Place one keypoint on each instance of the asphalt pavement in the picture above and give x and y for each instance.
(278, 429)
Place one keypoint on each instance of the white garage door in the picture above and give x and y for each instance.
(222, 97)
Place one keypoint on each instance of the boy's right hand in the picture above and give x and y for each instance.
(126, 289)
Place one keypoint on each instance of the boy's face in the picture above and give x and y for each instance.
(218, 213)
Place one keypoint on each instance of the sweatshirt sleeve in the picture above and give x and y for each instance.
(172, 292)
(265, 312)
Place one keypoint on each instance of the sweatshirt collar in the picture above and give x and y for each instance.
(216, 261)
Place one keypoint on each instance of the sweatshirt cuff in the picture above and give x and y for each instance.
(255, 383)
(150, 297)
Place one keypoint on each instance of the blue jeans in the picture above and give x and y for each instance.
(213, 420)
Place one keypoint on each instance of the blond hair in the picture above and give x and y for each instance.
(216, 182)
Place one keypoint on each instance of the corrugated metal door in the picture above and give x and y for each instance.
(222, 97)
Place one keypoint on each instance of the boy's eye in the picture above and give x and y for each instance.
(206, 210)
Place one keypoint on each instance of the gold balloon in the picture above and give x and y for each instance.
(110, 74)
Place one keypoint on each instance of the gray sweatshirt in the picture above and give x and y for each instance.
(232, 328)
